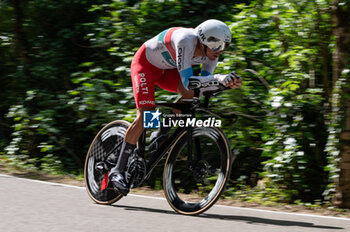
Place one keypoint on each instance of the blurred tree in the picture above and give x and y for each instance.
(341, 71)
(42, 43)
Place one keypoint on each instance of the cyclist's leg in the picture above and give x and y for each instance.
(171, 81)
(117, 174)
(143, 76)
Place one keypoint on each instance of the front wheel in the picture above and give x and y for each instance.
(193, 187)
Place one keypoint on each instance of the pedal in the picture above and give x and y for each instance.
(108, 165)
(101, 168)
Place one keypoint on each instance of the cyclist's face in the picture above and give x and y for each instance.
(213, 55)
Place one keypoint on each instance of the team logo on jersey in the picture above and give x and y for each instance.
(142, 82)
(180, 60)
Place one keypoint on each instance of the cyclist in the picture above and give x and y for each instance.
(166, 61)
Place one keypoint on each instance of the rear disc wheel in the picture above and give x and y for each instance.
(108, 140)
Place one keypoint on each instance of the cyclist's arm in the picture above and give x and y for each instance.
(185, 46)
(187, 75)
(231, 80)
(185, 68)
(209, 67)
(184, 52)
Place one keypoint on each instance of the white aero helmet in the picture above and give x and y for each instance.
(214, 34)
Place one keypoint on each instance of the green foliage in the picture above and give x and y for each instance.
(43, 43)
(280, 43)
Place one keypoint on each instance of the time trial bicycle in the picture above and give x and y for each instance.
(197, 165)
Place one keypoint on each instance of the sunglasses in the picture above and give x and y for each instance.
(216, 45)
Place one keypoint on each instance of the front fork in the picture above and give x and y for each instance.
(192, 162)
(198, 153)
(189, 150)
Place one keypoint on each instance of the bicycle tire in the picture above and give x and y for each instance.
(105, 140)
(185, 192)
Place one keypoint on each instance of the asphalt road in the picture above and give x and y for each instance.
(27, 205)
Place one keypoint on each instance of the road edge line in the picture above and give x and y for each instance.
(160, 198)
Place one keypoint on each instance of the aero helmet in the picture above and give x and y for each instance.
(214, 34)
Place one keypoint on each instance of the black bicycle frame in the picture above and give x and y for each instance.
(187, 107)
(163, 150)
(165, 147)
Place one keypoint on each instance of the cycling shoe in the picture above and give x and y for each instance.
(119, 183)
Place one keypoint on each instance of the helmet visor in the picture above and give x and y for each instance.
(217, 46)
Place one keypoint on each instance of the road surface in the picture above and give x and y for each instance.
(29, 205)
